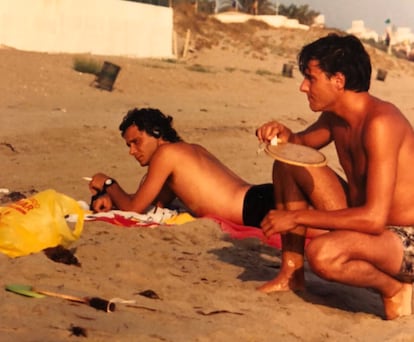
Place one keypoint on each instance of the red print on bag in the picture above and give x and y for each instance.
(25, 205)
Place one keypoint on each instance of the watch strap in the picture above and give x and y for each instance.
(106, 185)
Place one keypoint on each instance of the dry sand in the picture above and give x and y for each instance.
(56, 128)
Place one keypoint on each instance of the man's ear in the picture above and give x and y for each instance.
(339, 80)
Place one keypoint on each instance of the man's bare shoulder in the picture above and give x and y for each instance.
(387, 114)
(380, 107)
(180, 149)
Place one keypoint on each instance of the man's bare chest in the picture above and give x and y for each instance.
(352, 155)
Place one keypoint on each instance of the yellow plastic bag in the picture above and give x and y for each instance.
(38, 222)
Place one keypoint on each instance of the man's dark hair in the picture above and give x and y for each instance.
(344, 54)
(151, 121)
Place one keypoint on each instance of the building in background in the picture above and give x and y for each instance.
(358, 29)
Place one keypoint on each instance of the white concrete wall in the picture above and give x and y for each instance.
(101, 27)
(358, 29)
(272, 20)
(403, 34)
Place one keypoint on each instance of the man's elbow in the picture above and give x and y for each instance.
(373, 220)
(376, 226)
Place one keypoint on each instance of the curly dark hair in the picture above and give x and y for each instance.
(344, 54)
(152, 121)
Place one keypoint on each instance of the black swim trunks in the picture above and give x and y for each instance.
(406, 234)
(258, 201)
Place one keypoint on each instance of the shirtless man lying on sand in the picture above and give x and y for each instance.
(183, 170)
(370, 218)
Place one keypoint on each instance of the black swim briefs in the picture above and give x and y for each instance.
(258, 201)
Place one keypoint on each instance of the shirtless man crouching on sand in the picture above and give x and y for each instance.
(183, 170)
(370, 218)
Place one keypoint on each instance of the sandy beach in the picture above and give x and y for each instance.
(57, 128)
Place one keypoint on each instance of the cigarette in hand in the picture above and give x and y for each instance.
(87, 178)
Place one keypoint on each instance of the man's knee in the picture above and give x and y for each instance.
(324, 258)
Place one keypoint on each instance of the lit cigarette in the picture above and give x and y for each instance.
(87, 178)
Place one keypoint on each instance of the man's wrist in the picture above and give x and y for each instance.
(108, 183)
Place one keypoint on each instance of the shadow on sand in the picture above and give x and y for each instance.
(262, 263)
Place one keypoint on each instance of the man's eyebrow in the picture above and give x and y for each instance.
(307, 74)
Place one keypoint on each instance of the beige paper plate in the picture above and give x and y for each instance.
(296, 154)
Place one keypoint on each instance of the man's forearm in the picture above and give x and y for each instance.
(120, 198)
(357, 219)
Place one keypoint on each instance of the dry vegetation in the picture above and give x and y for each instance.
(260, 40)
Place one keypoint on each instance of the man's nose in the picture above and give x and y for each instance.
(304, 86)
(132, 150)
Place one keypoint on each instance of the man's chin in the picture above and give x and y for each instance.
(314, 108)
(140, 162)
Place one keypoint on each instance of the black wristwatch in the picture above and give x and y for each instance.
(108, 182)
(106, 185)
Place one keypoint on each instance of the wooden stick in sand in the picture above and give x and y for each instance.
(95, 302)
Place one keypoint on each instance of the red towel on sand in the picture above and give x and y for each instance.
(238, 231)
(122, 221)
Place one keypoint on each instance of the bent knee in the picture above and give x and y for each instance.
(324, 257)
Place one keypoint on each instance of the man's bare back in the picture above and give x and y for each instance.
(201, 181)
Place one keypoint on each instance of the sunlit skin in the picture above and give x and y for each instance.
(375, 146)
(183, 170)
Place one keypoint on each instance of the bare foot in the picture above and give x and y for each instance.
(399, 304)
(285, 281)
